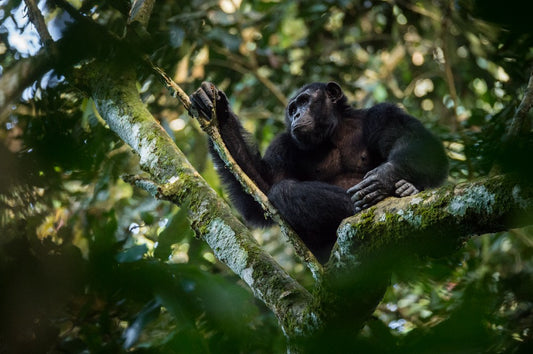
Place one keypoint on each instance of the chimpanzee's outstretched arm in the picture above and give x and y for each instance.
(242, 148)
(238, 141)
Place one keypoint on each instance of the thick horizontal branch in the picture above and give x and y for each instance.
(115, 94)
(433, 223)
(432, 218)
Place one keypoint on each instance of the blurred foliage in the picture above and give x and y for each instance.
(88, 263)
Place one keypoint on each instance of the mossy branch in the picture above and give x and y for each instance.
(434, 220)
(114, 92)
(432, 223)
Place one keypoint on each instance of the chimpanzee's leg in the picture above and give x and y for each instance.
(314, 210)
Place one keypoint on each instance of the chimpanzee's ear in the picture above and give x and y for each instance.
(334, 91)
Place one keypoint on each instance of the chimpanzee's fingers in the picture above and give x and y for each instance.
(401, 186)
(361, 193)
(361, 185)
(210, 90)
(373, 198)
(404, 188)
(410, 190)
(202, 102)
(362, 201)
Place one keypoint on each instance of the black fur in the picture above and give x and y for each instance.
(332, 161)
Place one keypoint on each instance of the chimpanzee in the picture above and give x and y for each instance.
(333, 160)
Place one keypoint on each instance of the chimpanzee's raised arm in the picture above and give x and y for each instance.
(242, 148)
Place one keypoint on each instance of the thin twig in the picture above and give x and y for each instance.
(140, 11)
(173, 88)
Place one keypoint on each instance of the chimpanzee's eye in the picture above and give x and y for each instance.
(292, 109)
(303, 99)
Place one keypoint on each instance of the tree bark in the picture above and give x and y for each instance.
(433, 218)
(432, 223)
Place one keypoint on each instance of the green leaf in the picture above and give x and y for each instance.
(132, 254)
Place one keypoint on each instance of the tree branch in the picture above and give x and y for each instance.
(29, 70)
(21, 75)
(115, 94)
(140, 11)
(432, 218)
(36, 17)
(432, 223)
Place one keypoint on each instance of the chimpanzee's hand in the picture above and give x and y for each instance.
(376, 185)
(379, 183)
(204, 98)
